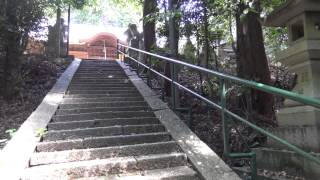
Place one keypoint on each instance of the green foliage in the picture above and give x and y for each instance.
(221, 17)
(11, 132)
(189, 52)
(78, 4)
(157, 50)
(116, 12)
(53, 5)
(41, 132)
(17, 19)
(275, 40)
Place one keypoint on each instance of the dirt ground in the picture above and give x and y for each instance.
(39, 75)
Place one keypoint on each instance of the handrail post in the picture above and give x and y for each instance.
(190, 119)
(253, 166)
(162, 90)
(149, 72)
(117, 53)
(225, 125)
(173, 89)
(226, 131)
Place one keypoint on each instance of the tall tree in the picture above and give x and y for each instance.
(149, 24)
(252, 59)
(206, 33)
(17, 19)
(60, 5)
(173, 45)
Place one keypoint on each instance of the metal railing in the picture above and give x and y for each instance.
(223, 102)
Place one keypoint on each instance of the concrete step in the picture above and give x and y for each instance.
(136, 94)
(101, 99)
(90, 71)
(101, 123)
(105, 77)
(101, 91)
(102, 131)
(102, 109)
(109, 76)
(98, 67)
(102, 68)
(98, 63)
(102, 115)
(98, 72)
(262, 174)
(289, 161)
(101, 88)
(174, 173)
(102, 167)
(102, 85)
(107, 141)
(103, 153)
(123, 80)
(106, 68)
(96, 82)
(103, 104)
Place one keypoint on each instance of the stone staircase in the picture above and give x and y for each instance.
(103, 129)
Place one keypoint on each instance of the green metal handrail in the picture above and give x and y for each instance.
(222, 106)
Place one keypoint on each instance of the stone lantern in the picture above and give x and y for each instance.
(298, 124)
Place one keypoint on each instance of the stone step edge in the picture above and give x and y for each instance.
(67, 107)
(90, 142)
(100, 98)
(55, 135)
(108, 112)
(154, 121)
(100, 95)
(106, 166)
(174, 173)
(109, 119)
(101, 109)
(245, 171)
(119, 102)
(105, 127)
(94, 108)
(42, 158)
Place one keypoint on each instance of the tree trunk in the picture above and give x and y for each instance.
(173, 29)
(149, 26)
(199, 61)
(68, 38)
(206, 39)
(58, 31)
(11, 66)
(253, 63)
(173, 45)
(166, 65)
(167, 84)
(11, 71)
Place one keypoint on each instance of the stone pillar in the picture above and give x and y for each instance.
(299, 124)
(135, 44)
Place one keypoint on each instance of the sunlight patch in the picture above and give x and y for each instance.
(53, 99)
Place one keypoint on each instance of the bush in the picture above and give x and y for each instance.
(17, 19)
